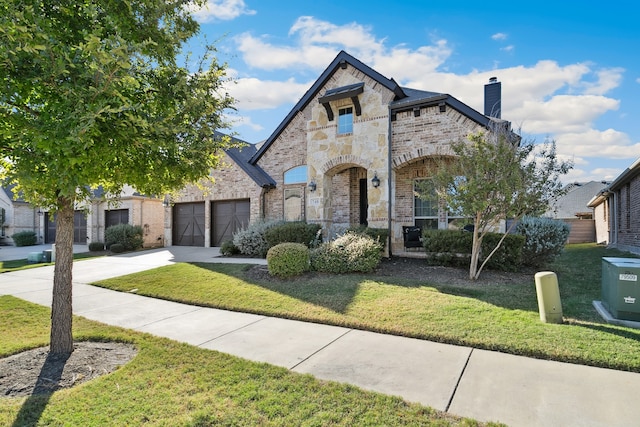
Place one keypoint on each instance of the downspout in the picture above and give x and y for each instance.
(389, 173)
(614, 215)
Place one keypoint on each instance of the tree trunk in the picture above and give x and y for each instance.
(61, 307)
(475, 249)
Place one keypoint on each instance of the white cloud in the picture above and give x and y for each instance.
(499, 36)
(509, 48)
(222, 10)
(609, 143)
(255, 94)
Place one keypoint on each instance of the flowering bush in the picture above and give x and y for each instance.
(251, 241)
(351, 252)
(544, 239)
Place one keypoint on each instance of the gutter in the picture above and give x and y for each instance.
(389, 173)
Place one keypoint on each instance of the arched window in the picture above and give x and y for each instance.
(296, 175)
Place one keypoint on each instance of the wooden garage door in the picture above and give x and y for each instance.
(228, 217)
(79, 228)
(188, 224)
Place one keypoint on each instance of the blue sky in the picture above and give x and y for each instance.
(570, 70)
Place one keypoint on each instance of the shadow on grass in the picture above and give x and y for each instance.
(333, 292)
(48, 382)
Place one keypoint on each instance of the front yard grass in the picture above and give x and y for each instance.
(493, 317)
(173, 384)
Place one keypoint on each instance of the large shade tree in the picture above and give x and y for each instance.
(496, 176)
(101, 93)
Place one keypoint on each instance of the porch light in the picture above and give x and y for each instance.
(312, 186)
(40, 213)
(375, 180)
(166, 202)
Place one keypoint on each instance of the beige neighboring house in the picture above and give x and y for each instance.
(617, 211)
(350, 152)
(18, 216)
(89, 221)
(573, 208)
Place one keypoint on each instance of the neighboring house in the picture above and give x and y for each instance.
(573, 209)
(90, 222)
(18, 216)
(617, 211)
(349, 152)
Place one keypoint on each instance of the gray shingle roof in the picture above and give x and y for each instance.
(576, 199)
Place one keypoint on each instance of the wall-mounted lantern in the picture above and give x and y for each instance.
(375, 181)
(312, 186)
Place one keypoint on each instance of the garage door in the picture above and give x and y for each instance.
(79, 228)
(188, 224)
(228, 217)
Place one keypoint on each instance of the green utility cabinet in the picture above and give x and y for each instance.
(621, 288)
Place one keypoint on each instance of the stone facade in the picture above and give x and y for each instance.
(362, 175)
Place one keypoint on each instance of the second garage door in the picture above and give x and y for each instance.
(227, 217)
(188, 224)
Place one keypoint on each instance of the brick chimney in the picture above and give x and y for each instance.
(493, 98)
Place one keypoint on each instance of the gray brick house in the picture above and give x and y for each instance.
(617, 211)
(349, 152)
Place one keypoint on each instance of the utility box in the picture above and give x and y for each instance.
(548, 293)
(621, 288)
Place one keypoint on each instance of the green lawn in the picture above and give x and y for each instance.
(23, 264)
(172, 384)
(494, 317)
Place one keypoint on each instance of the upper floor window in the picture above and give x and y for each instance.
(345, 120)
(296, 175)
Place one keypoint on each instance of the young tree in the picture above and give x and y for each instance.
(495, 176)
(92, 95)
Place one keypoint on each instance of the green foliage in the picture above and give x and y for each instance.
(288, 259)
(351, 252)
(251, 240)
(96, 246)
(494, 176)
(544, 239)
(228, 248)
(379, 234)
(293, 232)
(117, 248)
(127, 235)
(25, 238)
(453, 247)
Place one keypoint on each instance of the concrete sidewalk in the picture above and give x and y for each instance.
(483, 385)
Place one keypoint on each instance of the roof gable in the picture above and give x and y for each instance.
(340, 61)
(241, 155)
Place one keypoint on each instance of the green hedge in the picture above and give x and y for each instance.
(25, 238)
(127, 235)
(379, 234)
(453, 247)
(293, 232)
(288, 259)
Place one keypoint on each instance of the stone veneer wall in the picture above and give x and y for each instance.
(329, 154)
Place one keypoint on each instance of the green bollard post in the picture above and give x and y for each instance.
(549, 304)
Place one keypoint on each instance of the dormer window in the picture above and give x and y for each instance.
(345, 120)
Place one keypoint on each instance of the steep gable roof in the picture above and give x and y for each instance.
(341, 60)
(576, 200)
(241, 155)
(404, 99)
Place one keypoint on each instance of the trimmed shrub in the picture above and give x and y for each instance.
(508, 257)
(96, 246)
(288, 259)
(24, 238)
(129, 236)
(250, 241)
(351, 252)
(544, 239)
(453, 247)
(116, 248)
(228, 248)
(379, 234)
(292, 232)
